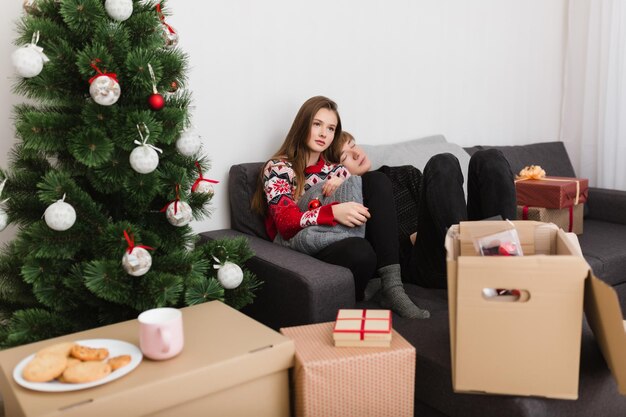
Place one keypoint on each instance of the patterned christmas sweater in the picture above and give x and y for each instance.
(284, 216)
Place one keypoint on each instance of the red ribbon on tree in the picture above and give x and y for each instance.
(201, 178)
(99, 73)
(164, 209)
(162, 18)
(131, 243)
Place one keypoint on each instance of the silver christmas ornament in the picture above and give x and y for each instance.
(204, 187)
(170, 36)
(179, 213)
(137, 262)
(105, 90)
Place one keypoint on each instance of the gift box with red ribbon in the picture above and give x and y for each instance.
(350, 381)
(362, 327)
(569, 219)
(551, 192)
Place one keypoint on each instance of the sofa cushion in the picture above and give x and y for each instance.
(416, 152)
(551, 156)
(242, 181)
(604, 247)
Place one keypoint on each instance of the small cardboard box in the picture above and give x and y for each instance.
(526, 345)
(552, 192)
(230, 365)
(350, 381)
(569, 219)
(362, 327)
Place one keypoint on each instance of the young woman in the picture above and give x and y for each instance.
(310, 155)
(429, 203)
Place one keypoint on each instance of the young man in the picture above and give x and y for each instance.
(428, 203)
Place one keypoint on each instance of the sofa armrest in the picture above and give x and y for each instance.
(607, 205)
(297, 288)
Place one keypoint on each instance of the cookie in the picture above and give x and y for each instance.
(72, 361)
(63, 348)
(86, 372)
(45, 367)
(85, 353)
(119, 362)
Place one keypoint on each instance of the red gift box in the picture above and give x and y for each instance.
(551, 192)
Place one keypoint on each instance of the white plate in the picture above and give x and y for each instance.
(116, 348)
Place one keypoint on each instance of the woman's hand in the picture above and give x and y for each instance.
(331, 185)
(351, 214)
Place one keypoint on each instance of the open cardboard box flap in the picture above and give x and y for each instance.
(605, 318)
(604, 315)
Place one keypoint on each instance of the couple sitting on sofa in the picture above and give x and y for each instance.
(406, 212)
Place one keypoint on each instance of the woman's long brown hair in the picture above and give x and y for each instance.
(294, 148)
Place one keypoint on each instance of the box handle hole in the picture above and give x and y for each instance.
(507, 295)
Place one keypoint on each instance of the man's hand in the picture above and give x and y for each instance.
(351, 214)
(331, 185)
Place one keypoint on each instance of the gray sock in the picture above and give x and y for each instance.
(372, 290)
(394, 297)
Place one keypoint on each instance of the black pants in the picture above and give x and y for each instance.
(380, 246)
(490, 192)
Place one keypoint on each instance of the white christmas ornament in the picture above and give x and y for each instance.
(144, 158)
(188, 144)
(179, 213)
(4, 219)
(105, 90)
(60, 216)
(137, 262)
(29, 59)
(204, 187)
(4, 216)
(119, 10)
(229, 275)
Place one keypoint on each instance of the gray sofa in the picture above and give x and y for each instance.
(298, 289)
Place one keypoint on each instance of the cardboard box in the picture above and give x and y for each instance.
(362, 327)
(522, 346)
(350, 381)
(552, 192)
(569, 219)
(231, 365)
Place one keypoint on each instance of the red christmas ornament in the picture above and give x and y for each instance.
(156, 101)
(313, 204)
(173, 87)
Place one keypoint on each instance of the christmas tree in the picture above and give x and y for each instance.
(106, 176)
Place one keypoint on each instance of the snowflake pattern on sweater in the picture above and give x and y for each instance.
(279, 181)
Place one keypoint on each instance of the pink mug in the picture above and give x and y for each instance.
(161, 333)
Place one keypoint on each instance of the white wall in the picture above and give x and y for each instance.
(479, 72)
